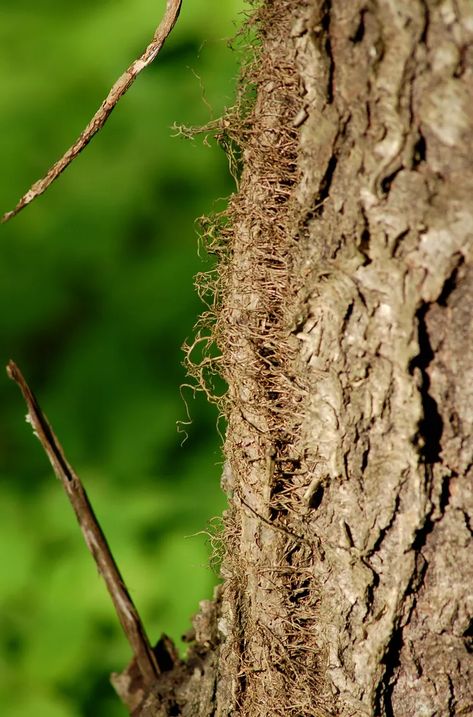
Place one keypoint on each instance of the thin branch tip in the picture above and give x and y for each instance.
(12, 371)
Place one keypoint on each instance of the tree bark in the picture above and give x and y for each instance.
(344, 305)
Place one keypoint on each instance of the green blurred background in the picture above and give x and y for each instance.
(97, 297)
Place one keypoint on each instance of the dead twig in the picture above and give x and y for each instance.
(123, 83)
(92, 532)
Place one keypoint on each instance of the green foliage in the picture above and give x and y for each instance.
(96, 289)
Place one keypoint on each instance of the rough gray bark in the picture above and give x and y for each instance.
(387, 336)
(344, 316)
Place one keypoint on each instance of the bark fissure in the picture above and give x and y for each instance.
(430, 425)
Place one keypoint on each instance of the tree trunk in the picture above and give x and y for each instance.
(344, 305)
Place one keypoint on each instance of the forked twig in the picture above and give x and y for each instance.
(123, 83)
(92, 532)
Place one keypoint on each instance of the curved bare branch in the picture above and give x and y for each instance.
(123, 83)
